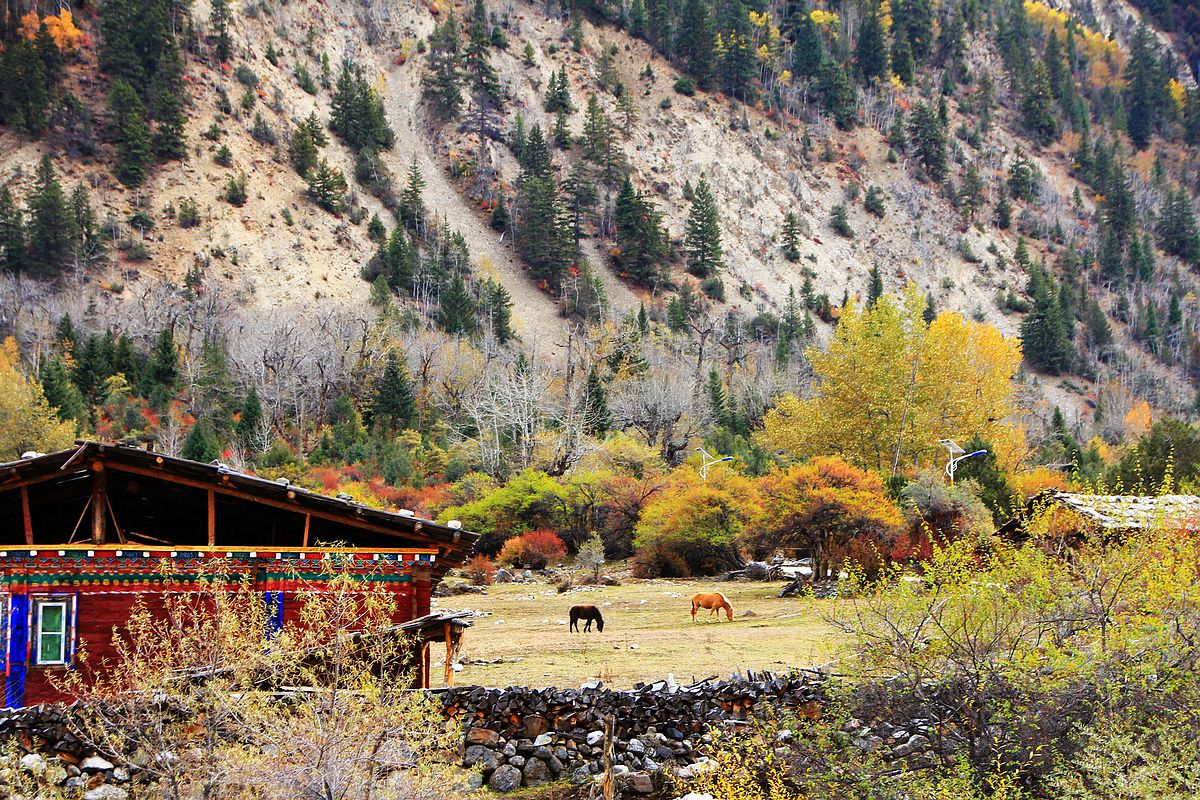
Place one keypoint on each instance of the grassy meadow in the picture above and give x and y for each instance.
(648, 633)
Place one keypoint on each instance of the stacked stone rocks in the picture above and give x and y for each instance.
(526, 737)
(55, 756)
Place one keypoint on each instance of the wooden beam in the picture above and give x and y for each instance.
(307, 524)
(99, 503)
(449, 676)
(212, 518)
(26, 516)
(112, 515)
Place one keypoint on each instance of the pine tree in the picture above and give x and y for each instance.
(1022, 182)
(501, 219)
(637, 18)
(718, 402)
(51, 230)
(1141, 94)
(169, 141)
(870, 52)
(561, 133)
(874, 285)
(837, 94)
(808, 51)
(485, 83)
(535, 156)
(542, 238)
(598, 419)
(440, 85)
(658, 25)
(302, 151)
(1119, 209)
(1044, 337)
(251, 419)
(133, 136)
(702, 238)
(641, 250)
(971, 195)
(457, 312)
(25, 90)
(791, 237)
(161, 377)
(1150, 331)
(13, 254)
(558, 93)
(497, 309)
(412, 207)
(928, 140)
(915, 18)
(902, 59)
(1099, 333)
(219, 20)
(394, 406)
(1176, 228)
(737, 63)
(61, 392)
(1037, 106)
(696, 42)
(202, 444)
(327, 187)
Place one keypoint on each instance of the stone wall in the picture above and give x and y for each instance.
(527, 737)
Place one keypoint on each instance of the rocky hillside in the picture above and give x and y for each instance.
(785, 151)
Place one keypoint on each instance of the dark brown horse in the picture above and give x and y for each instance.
(588, 613)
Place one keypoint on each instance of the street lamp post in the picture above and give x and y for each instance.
(957, 454)
(707, 460)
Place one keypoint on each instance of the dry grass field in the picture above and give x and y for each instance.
(648, 634)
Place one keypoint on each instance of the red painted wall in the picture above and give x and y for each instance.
(99, 613)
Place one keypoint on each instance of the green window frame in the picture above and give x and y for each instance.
(51, 628)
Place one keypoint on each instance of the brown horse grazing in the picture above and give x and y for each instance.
(715, 602)
(588, 613)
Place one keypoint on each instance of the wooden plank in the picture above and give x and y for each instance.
(449, 676)
(212, 518)
(99, 503)
(26, 516)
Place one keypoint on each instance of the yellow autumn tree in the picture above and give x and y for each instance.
(890, 386)
(27, 421)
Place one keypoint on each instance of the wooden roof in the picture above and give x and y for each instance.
(1113, 512)
(106, 493)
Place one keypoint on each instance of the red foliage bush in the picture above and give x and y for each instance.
(481, 570)
(533, 550)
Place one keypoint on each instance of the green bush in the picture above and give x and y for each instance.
(685, 86)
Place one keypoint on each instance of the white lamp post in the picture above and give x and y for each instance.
(957, 454)
(707, 460)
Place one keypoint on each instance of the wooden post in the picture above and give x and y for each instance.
(99, 503)
(449, 677)
(28, 518)
(608, 787)
(307, 523)
(212, 518)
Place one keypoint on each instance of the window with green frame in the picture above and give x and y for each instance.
(51, 625)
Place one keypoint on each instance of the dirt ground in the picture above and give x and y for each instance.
(648, 634)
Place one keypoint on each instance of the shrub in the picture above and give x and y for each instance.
(245, 76)
(189, 215)
(533, 550)
(481, 570)
(235, 191)
(224, 156)
(685, 86)
(873, 202)
(713, 287)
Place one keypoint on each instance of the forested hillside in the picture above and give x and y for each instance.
(422, 251)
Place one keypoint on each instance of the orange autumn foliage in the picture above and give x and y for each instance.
(65, 35)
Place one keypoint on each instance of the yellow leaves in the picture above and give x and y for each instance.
(897, 83)
(1138, 420)
(890, 387)
(1178, 95)
(825, 19)
(27, 421)
(763, 53)
(759, 20)
(61, 28)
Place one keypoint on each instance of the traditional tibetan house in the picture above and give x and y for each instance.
(1074, 516)
(87, 533)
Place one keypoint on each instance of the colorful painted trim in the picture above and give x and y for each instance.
(42, 570)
